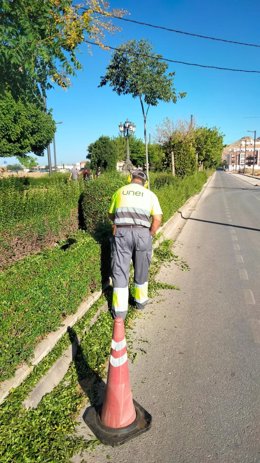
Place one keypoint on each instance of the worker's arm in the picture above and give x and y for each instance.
(156, 222)
(111, 216)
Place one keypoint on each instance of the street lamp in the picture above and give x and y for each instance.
(253, 168)
(127, 129)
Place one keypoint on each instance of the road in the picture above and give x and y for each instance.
(198, 365)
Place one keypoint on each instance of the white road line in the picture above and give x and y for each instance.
(255, 328)
(232, 231)
(249, 296)
(239, 259)
(243, 274)
(234, 238)
(257, 197)
(236, 247)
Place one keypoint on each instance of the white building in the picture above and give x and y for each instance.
(242, 155)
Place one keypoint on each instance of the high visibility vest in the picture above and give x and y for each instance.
(134, 205)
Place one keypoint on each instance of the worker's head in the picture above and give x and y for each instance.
(139, 176)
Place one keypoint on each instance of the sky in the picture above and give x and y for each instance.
(227, 100)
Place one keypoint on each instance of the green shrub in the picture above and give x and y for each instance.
(34, 218)
(22, 183)
(173, 196)
(96, 200)
(38, 292)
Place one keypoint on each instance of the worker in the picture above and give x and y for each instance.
(136, 215)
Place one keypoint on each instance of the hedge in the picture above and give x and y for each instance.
(39, 291)
(96, 199)
(35, 217)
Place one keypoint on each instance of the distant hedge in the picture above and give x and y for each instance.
(37, 293)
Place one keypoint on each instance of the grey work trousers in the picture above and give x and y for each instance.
(130, 243)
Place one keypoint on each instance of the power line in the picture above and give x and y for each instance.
(161, 58)
(177, 31)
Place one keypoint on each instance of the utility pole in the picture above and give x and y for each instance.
(253, 168)
(49, 158)
(173, 163)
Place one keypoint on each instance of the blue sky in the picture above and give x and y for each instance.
(227, 100)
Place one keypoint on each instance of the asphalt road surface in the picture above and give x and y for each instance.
(197, 369)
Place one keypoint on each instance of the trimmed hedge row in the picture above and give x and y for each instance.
(34, 218)
(38, 292)
(96, 199)
(172, 196)
(22, 183)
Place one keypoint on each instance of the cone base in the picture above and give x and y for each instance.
(117, 436)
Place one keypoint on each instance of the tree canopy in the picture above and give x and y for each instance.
(38, 47)
(102, 154)
(39, 40)
(24, 127)
(209, 146)
(135, 70)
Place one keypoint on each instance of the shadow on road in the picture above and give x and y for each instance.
(219, 223)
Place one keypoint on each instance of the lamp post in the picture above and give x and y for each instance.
(253, 168)
(127, 129)
(244, 169)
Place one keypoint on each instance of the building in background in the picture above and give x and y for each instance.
(241, 156)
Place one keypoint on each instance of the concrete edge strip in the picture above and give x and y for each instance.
(58, 370)
(45, 347)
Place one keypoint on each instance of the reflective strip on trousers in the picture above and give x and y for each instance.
(141, 292)
(120, 299)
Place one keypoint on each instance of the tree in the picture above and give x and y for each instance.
(177, 141)
(134, 69)
(209, 146)
(136, 147)
(102, 154)
(181, 144)
(156, 157)
(39, 41)
(24, 128)
(28, 161)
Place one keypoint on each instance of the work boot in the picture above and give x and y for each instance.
(140, 306)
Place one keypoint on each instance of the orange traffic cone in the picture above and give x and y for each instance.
(120, 418)
(118, 409)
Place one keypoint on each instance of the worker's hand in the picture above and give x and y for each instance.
(113, 229)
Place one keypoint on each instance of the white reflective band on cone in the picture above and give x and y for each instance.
(118, 345)
(118, 362)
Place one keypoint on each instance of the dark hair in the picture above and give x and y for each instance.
(139, 174)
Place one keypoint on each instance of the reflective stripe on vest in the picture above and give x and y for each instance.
(132, 216)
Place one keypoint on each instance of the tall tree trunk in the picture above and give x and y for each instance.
(146, 141)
